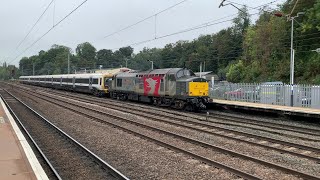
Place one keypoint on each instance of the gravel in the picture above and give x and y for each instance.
(262, 153)
(135, 157)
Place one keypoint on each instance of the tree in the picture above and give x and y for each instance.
(236, 72)
(104, 57)
(126, 51)
(86, 54)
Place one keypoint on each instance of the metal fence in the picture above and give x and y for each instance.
(277, 94)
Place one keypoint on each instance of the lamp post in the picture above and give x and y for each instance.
(151, 64)
(291, 52)
(292, 56)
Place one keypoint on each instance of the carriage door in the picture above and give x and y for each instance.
(90, 83)
(169, 84)
(61, 81)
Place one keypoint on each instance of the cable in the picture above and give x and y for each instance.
(203, 25)
(49, 30)
(34, 25)
(206, 25)
(294, 7)
(127, 27)
(257, 8)
(259, 52)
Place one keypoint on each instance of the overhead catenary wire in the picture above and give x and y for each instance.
(144, 19)
(257, 8)
(40, 17)
(55, 25)
(294, 7)
(203, 25)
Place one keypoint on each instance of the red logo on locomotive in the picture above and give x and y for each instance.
(151, 85)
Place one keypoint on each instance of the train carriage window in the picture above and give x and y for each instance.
(95, 81)
(100, 79)
(83, 81)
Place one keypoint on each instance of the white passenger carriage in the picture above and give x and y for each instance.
(94, 83)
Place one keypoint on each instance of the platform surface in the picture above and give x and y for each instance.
(17, 160)
(269, 107)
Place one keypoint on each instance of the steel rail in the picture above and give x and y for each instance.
(229, 118)
(272, 125)
(162, 143)
(96, 158)
(210, 132)
(15, 117)
(188, 139)
(204, 131)
(273, 140)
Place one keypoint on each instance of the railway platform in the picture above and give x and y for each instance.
(17, 159)
(282, 110)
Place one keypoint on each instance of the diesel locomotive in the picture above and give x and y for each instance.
(175, 87)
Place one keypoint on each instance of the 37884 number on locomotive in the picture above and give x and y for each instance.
(175, 87)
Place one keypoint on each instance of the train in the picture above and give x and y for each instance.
(92, 83)
(179, 88)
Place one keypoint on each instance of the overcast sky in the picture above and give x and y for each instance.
(98, 18)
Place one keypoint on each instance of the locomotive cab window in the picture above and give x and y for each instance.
(119, 82)
(171, 77)
(108, 81)
(184, 72)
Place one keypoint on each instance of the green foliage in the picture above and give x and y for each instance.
(8, 72)
(236, 72)
(86, 54)
(313, 20)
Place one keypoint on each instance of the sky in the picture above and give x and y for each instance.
(96, 19)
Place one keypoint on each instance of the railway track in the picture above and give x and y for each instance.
(225, 119)
(298, 150)
(67, 158)
(188, 139)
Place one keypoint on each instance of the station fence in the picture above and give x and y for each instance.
(277, 94)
